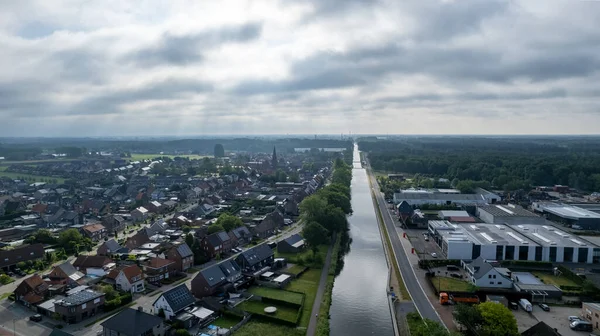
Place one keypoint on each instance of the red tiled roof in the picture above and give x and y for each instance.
(93, 228)
(32, 298)
(159, 262)
(131, 272)
(39, 208)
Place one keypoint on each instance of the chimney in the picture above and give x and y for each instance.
(141, 309)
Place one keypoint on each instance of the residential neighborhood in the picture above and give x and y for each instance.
(115, 236)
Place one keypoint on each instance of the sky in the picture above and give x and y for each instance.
(186, 68)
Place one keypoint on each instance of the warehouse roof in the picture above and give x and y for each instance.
(547, 235)
(495, 234)
(509, 210)
(567, 211)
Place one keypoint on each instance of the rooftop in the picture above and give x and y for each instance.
(567, 211)
(508, 210)
(79, 298)
(547, 235)
(453, 213)
(490, 234)
(132, 322)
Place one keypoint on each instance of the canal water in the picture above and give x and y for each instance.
(359, 303)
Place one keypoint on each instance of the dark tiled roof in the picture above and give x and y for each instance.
(68, 268)
(256, 254)
(132, 322)
(112, 245)
(178, 298)
(293, 239)
(241, 232)
(184, 250)
(540, 329)
(91, 261)
(223, 236)
(214, 239)
(213, 275)
(229, 267)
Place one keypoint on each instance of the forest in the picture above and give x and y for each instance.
(508, 163)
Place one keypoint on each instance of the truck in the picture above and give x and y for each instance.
(450, 299)
(526, 305)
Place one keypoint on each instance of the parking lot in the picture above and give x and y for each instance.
(557, 318)
(423, 247)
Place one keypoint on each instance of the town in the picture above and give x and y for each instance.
(182, 244)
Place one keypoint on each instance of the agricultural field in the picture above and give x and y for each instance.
(140, 157)
(277, 294)
(29, 177)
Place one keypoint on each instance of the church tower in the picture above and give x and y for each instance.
(274, 159)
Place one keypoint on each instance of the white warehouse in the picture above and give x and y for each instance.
(502, 242)
(507, 214)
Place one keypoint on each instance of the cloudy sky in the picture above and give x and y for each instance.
(176, 67)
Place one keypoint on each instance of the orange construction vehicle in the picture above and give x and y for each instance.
(450, 299)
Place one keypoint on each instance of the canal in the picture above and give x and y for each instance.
(359, 302)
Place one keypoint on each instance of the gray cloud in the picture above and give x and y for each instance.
(181, 50)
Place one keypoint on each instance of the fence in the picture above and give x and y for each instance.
(233, 329)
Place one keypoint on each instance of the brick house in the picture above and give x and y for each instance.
(23, 253)
(182, 255)
(31, 291)
(79, 306)
(95, 232)
(216, 243)
(65, 274)
(157, 269)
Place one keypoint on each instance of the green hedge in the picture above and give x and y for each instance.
(571, 288)
(567, 273)
(117, 302)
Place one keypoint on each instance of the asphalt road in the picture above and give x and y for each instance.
(312, 324)
(420, 300)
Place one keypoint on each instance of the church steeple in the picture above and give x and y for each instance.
(274, 159)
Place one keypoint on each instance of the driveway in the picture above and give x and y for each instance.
(14, 318)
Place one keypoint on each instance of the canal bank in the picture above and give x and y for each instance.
(360, 301)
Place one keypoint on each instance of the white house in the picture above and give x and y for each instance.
(485, 274)
(129, 279)
(173, 301)
(139, 215)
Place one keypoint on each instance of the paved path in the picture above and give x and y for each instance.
(312, 325)
(417, 292)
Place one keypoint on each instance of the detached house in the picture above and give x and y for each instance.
(93, 264)
(133, 322)
(65, 274)
(269, 225)
(31, 291)
(174, 301)
(139, 215)
(182, 255)
(127, 278)
(109, 247)
(216, 243)
(240, 236)
(95, 232)
(157, 269)
(292, 244)
(485, 274)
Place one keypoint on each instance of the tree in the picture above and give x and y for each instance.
(73, 241)
(214, 228)
(182, 332)
(497, 320)
(219, 151)
(312, 208)
(337, 199)
(229, 222)
(315, 234)
(109, 292)
(43, 236)
(469, 317)
(189, 239)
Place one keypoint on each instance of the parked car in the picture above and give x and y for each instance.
(574, 318)
(581, 325)
(513, 305)
(433, 254)
(10, 274)
(35, 318)
(426, 238)
(544, 307)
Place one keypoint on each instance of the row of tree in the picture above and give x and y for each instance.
(324, 213)
(71, 240)
(499, 163)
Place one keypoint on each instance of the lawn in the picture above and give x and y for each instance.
(304, 255)
(226, 321)
(307, 283)
(451, 284)
(552, 279)
(29, 177)
(139, 157)
(282, 313)
(295, 270)
(254, 328)
(277, 294)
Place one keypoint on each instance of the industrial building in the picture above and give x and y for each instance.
(531, 242)
(416, 197)
(507, 214)
(559, 246)
(576, 217)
